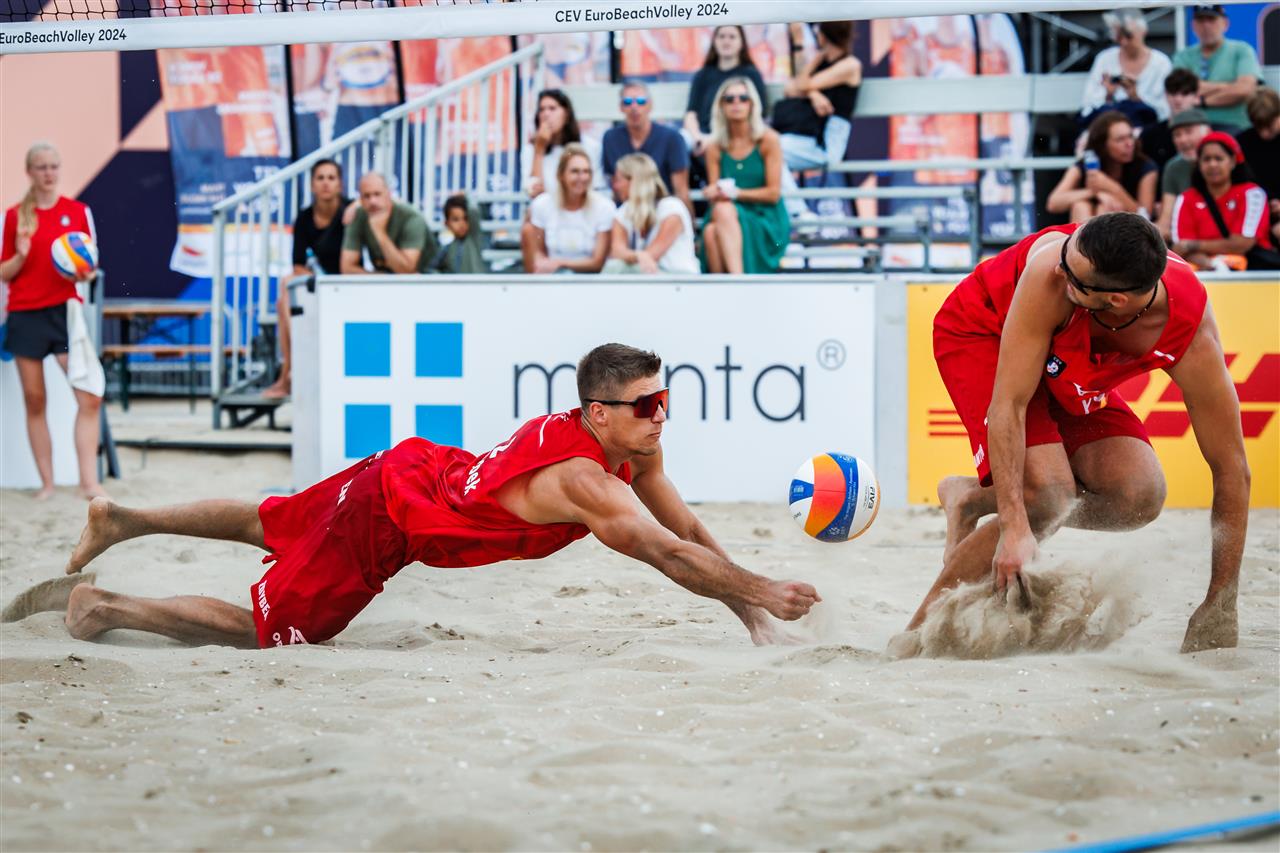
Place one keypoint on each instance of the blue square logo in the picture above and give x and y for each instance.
(438, 349)
(366, 349)
(440, 424)
(368, 430)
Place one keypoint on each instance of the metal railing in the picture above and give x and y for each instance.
(461, 137)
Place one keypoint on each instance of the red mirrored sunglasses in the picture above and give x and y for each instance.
(644, 406)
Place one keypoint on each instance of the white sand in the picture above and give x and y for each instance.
(586, 703)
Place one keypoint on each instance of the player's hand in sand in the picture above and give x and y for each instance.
(789, 600)
(1015, 550)
(1214, 625)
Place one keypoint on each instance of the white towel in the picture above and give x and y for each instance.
(84, 370)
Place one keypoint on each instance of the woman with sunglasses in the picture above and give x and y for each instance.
(40, 314)
(554, 127)
(747, 229)
(728, 56)
(652, 230)
(1224, 212)
(1129, 76)
(1122, 180)
(568, 230)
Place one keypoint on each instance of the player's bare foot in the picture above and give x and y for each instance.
(93, 490)
(101, 531)
(85, 617)
(278, 391)
(45, 493)
(47, 595)
(959, 498)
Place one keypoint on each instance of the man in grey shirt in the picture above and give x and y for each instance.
(1187, 128)
(394, 234)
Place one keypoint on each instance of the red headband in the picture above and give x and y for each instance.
(1226, 140)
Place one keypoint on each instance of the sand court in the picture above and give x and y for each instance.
(584, 702)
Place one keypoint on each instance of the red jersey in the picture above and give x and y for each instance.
(1243, 208)
(1078, 378)
(39, 284)
(443, 497)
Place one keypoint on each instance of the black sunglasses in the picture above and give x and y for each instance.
(731, 97)
(645, 405)
(1080, 285)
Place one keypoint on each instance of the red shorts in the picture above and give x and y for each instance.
(333, 547)
(968, 368)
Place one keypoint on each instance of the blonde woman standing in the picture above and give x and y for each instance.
(747, 228)
(38, 312)
(652, 231)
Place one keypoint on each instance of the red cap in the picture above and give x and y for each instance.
(1226, 140)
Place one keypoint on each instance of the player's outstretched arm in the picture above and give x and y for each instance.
(604, 504)
(1214, 409)
(656, 491)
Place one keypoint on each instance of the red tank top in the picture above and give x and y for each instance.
(39, 284)
(443, 497)
(1078, 378)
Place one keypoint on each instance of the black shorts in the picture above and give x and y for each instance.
(36, 333)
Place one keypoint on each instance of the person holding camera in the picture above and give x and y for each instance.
(1128, 77)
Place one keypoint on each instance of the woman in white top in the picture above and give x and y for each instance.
(1130, 70)
(554, 127)
(652, 231)
(568, 229)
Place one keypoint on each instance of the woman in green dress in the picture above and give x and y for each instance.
(747, 229)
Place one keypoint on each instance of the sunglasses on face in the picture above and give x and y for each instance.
(644, 406)
(732, 98)
(1081, 286)
(635, 102)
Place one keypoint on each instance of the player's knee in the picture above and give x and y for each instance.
(89, 403)
(34, 401)
(1048, 504)
(1140, 501)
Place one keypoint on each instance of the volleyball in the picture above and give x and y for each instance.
(834, 497)
(74, 254)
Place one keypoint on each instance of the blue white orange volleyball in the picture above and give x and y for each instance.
(74, 254)
(834, 497)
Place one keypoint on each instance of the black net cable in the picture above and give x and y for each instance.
(48, 11)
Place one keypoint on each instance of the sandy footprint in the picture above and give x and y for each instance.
(47, 595)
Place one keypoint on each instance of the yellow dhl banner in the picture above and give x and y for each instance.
(1248, 315)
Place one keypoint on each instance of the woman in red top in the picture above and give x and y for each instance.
(1222, 179)
(37, 305)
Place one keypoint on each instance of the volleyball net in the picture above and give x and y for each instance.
(56, 26)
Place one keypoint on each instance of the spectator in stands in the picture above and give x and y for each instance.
(568, 230)
(554, 127)
(465, 253)
(1180, 94)
(394, 234)
(815, 118)
(1128, 77)
(1261, 147)
(729, 56)
(652, 230)
(1228, 69)
(1123, 180)
(317, 240)
(1189, 127)
(638, 133)
(1225, 212)
(747, 228)
(45, 317)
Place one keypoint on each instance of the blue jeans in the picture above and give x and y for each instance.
(804, 152)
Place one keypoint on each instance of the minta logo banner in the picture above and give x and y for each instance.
(761, 376)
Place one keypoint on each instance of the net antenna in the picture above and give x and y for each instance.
(60, 26)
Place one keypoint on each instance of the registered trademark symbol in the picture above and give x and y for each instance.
(831, 354)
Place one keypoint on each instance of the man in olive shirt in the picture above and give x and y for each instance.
(1188, 128)
(394, 234)
(1228, 69)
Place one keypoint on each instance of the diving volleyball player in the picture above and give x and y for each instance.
(334, 545)
(1031, 347)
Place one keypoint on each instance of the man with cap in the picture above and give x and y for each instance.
(1228, 68)
(1188, 128)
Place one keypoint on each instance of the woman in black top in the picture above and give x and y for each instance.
(1121, 179)
(818, 112)
(317, 235)
(728, 56)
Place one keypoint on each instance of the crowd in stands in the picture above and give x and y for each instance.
(1211, 144)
